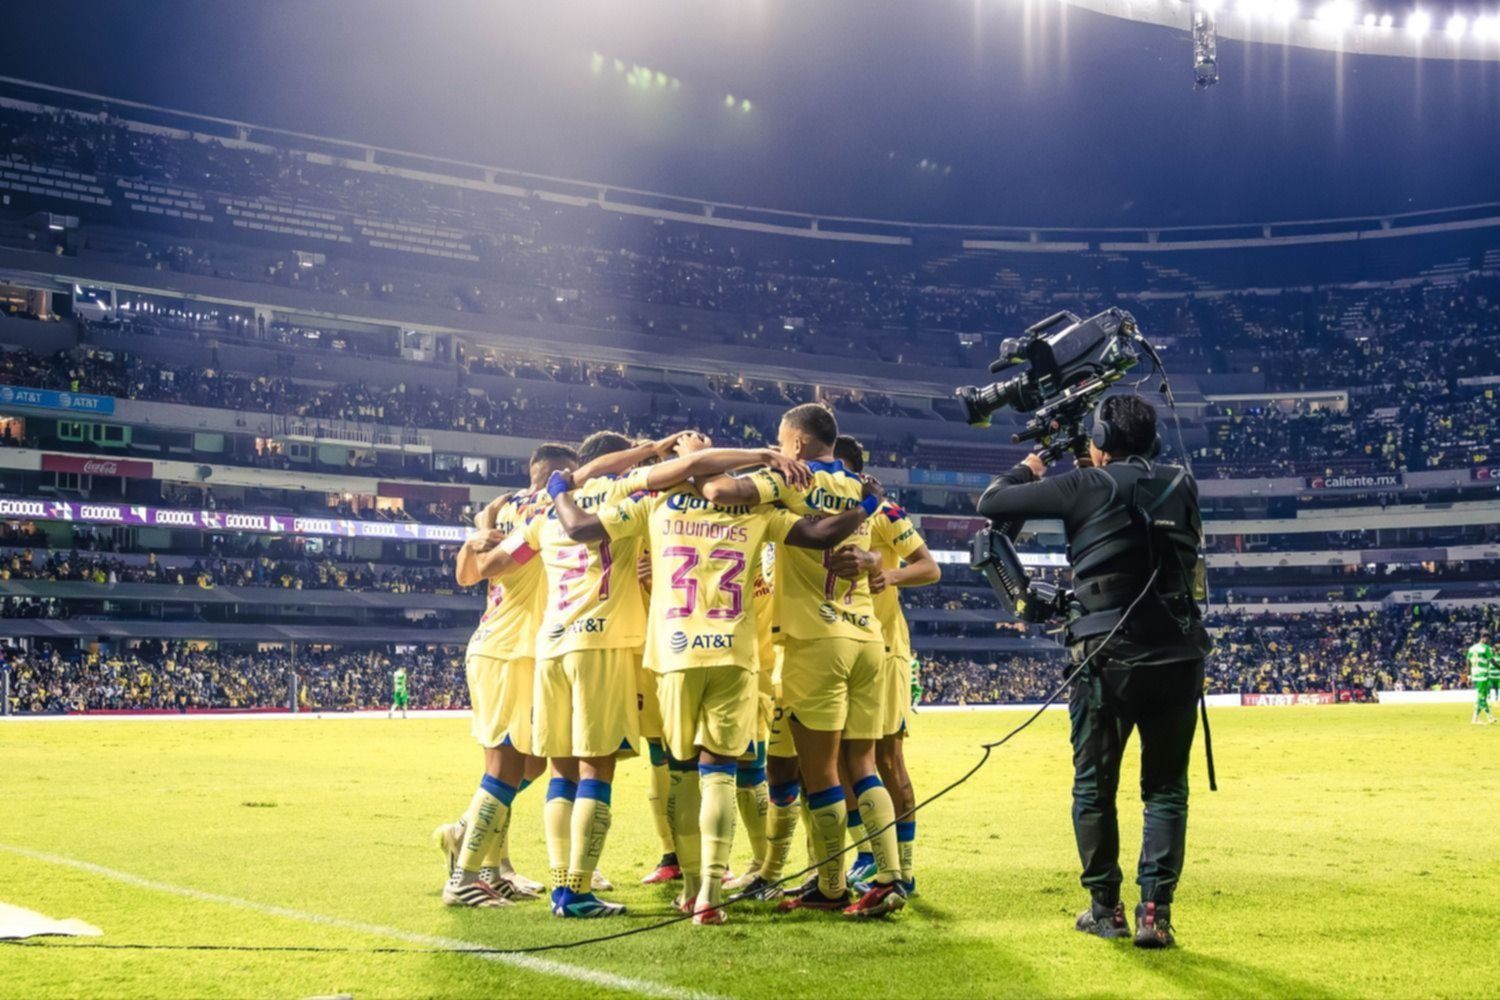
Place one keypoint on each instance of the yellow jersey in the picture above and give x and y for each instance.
(812, 603)
(762, 597)
(513, 600)
(704, 561)
(593, 597)
(895, 539)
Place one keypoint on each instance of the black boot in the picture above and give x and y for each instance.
(1104, 920)
(1153, 925)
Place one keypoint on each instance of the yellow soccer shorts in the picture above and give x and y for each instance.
(647, 702)
(586, 705)
(714, 708)
(500, 694)
(834, 684)
(895, 694)
(779, 730)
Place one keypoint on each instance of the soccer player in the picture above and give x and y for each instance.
(398, 693)
(898, 557)
(588, 649)
(499, 669)
(1482, 673)
(704, 645)
(832, 655)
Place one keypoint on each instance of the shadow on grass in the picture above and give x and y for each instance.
(1208, 975)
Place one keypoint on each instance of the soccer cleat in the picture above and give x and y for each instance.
(666, 870)
(526, 887)
(506, 886)
(712, 917)
(883, 898)
(909, 885)
(601, 884)
(752, 874)
(863, 869)
(760, 890)
(813, 900)
(810, 885)
(478, 894)
(1153, 925)
(583, 906)
(1103, 921)
(449, 838)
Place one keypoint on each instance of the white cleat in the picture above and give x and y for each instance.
(477, 894)
(523, 884)
(752, 871)
(601, 884)
(502, 883)
(449, 838)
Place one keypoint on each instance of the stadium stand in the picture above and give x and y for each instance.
(228, 324)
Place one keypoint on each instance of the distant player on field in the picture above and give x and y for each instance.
(704, 646)
(398, 693)
(1482, 673)
(898, 557)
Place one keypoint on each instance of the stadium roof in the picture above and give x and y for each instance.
(1012, 112)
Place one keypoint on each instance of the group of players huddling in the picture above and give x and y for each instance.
(735, 612)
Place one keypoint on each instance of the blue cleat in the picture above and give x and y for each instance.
(863, 868)
(583, 905)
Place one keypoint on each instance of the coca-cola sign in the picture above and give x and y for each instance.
(83, 465)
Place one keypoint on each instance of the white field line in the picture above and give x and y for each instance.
(541, 966)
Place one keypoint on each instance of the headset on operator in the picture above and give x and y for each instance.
(1132, 618)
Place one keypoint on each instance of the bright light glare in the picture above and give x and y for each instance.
(1386, 20)
(1285, 10)
(1483, 26)
(1457, 25)
(1253, 8)
(1418, 23)
(1369, 20)
(1336, 13)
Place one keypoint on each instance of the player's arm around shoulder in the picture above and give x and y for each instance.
(918, 568)
(826, 532)
(780, 480)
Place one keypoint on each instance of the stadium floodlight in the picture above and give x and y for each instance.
(1483, 26)
(1369, 21)
(729, 101)
(1386, 20)
(1336, 14)
(1457, 25)
(1253, 8)
(1285, 10)
(1418, 22)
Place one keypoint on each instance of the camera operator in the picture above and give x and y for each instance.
(1134, 534)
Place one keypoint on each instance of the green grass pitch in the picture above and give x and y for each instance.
(1350, 853)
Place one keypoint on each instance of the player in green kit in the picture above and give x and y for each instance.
(1482, 669)
(398, 692)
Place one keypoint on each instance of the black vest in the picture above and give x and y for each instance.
(1149, 523)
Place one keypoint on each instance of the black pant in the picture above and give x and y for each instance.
(1106, 703)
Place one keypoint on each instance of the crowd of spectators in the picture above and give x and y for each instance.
(1352, 653)
(1408, 343)
(258, 571)
(177, 676)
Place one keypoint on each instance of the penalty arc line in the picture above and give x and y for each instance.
(541, 966)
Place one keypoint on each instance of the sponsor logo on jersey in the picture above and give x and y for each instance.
(832, 615)
(583, 626)
(820, 498)
(681, 642)
(691, 501)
